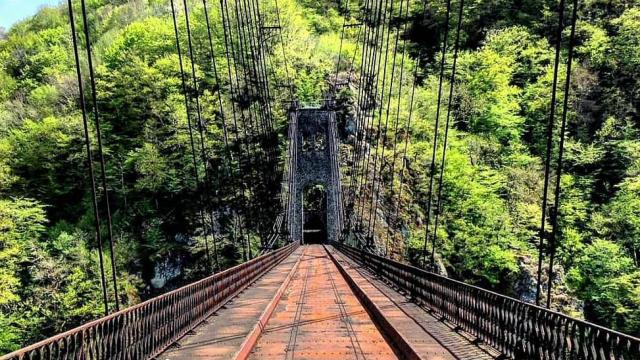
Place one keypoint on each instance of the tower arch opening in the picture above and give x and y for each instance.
(314, 214)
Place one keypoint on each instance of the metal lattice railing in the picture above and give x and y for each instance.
(517, 329)
(145, 330)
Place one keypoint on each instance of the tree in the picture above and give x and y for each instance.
(22, 223)
(610, 284)
(489, 101)
(626, 45)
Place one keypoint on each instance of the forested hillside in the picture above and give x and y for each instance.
(493, 176)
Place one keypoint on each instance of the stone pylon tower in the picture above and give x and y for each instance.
(313, 160)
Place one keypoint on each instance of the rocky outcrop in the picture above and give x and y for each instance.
(525, 287)
(166, 271)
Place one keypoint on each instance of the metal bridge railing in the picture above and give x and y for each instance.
(145, 330)
(517, 329)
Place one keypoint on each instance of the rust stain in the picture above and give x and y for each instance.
(222, 335)
(259, 327)
(304, 308)
(319, 317)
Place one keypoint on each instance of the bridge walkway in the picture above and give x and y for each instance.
(319, 317)
(427, 335)
(222, 334)
(318, 304)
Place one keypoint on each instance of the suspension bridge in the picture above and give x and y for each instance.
(322, 286)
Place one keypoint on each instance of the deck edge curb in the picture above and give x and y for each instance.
(405, 349)
(254, 335)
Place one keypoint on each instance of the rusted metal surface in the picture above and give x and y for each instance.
(223, 334)
(310, 311)
(258, 329)
(417, 333)
(145, 330)
(319, 317)
(515, 328)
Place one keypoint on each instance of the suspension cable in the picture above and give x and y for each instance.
(432, 169)
(353, 57)
(346, 14)
(358, 121)
(253, 117)
(446, 131)
(359, 118)
(258, 89)
(549, 149)
(85, 123)
(397, 115)
(252, 64)
(234, 55)
(201, 131)
(216, 75)
(383, 161)
(190, 127)
(230, 54)
(264, 58)
(256, 19)
(375, 185)
(263, 80)
(381, 17)
(563, 129)
(252, 121)
(348, 191)
(243, 120)
(258, 119)
(348, 197)
(409, 118)
(350, 75)
(365, 101)
(278, 175)
(284, 55)
(370, 97)
(92, 79)
(228, 158)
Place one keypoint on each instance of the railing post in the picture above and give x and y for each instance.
(413, 284)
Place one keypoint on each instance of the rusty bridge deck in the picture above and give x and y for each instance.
(318, 304)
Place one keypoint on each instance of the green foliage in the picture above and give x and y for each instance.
(49, 272)
(44, 98)
(6, 173)
(7, 86)
(150, 166)
(494, 172)
(22, 222)
(626, 45)
(148, 40)
(35, 57)
(10, 336)
(46, 157)
(490, 100)
(609, 281)
(596, 45)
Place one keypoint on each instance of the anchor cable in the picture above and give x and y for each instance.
(85, 123)
(436, 127)
(103, 171)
